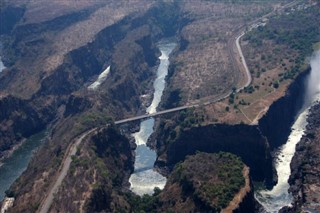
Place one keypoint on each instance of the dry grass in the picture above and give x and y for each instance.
(205, 68)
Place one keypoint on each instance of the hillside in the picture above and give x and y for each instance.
(54, 51)
(205, 182)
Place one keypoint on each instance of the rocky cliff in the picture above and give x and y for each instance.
(129, 47)
(242, 140)
(20, 119)
(305, 167)
(129, 78)
(276, 123)
(253, 143)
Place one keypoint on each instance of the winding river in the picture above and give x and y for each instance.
(278, 197)
(144, 178)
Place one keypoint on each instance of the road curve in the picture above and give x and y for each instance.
(243, 60)
(240, 32)
(46, 204)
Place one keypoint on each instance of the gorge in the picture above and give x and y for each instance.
(146, 124)
(279, 196)
(145, 179)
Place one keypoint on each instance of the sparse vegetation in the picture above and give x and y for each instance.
(214, 179)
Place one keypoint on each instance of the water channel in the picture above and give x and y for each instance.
(145, 178)
(13, 166)
(278, 197)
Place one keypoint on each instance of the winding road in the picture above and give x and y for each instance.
(235, 40)
(46, 204)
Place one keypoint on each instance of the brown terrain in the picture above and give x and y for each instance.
(202, 183)
(268, 62)
(53, 45)
(54, 50)
(204, 67)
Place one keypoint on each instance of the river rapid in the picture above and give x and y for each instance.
(278, 197)
(144, 178)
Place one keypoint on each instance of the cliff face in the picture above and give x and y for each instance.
(276, 123)
(253, 144)
(305, 167)
(20, 119)
(242, 140)
(128, 47)
(23, 117)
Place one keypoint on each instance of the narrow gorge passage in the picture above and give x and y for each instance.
(145, 179)
(279, 196)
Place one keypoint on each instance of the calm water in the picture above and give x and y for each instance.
(13, 166)
(145, 179)
(279, 196)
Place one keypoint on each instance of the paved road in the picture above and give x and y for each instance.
(243, 60)
(235, 40)
(63, 172)
(67, 160)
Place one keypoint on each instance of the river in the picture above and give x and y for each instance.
(278, 197)
(13, 166)
(144, 178)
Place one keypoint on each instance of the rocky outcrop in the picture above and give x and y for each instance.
(305, 167)
(244, 200)
(208, 183)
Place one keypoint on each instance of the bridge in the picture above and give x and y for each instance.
(162, 112)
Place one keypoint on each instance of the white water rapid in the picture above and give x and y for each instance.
(278, 197)
(145, 178)
(102, 77)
